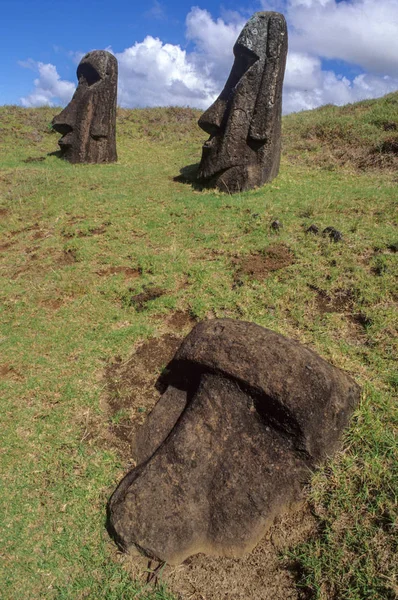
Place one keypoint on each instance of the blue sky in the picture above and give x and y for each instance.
(173, 52)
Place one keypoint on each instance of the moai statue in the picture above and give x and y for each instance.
(88, 123)
(244, 122)
(246, 416)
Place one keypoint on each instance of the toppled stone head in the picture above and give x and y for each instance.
(244, 122)
(247, 414)
(88, 123)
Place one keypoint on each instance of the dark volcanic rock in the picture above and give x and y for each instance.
(246, 416)
(244, 123)
(334, 234)
(88, 123)
(313, 229)
(393, 247)
(276, 225)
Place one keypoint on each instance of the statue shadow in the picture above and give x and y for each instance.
(189, 175)
(56, 153)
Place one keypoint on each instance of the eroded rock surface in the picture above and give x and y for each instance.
(88, 123)
(245, 418)
(244, 122)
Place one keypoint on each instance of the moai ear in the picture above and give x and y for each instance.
(268, 97)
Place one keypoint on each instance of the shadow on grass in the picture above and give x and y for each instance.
(189, 174)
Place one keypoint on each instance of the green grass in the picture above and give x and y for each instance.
(61, 225)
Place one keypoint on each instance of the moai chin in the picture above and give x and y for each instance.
(244, 122)
(88, 123)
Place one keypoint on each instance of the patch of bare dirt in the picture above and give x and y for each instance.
(98, 230)
(128, 272)
(342, 300)
(94, 230)
(181, 320)
(52, 303)
(3, 212)
(19, 272)
(131, 391)
(6, 245)
(139, 301)
(40, 235)
(68, 257)
(8, 372)
(261, 575)
(258, 266)
(76, 219)
(34, 227)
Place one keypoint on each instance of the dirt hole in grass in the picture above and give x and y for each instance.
(34, 227)
(259, 265)
(94, 230)
(341, 301)
(130, 389)
(6, 245)
(68, 257)
(128, 272)
(181, 320)
(40, 235)
(261, 575)
(8, 372)
(53, 303)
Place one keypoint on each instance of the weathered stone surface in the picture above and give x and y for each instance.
(244, 122)
(88, 123)
(246, 416)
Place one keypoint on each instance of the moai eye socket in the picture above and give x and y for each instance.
(88, 73)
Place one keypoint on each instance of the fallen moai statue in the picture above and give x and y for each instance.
(244, 122)
(88, 123)
(246, 416)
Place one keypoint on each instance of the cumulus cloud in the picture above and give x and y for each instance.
(307, 85)
(49, 88)
(213, 41)
(362, 33)
(152, 73)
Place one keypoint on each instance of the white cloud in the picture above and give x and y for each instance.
(308, 86)
(49, 88)
(152, 74)
(213, 41)
(363, 33)
(156, 11)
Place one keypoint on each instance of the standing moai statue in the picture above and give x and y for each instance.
(244, 122)
(88, 123)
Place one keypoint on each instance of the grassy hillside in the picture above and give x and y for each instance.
(103, 268)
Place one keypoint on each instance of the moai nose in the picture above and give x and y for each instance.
(64, 122)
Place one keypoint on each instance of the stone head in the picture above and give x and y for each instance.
(88, 123)
(245, 417)
(244, 121)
